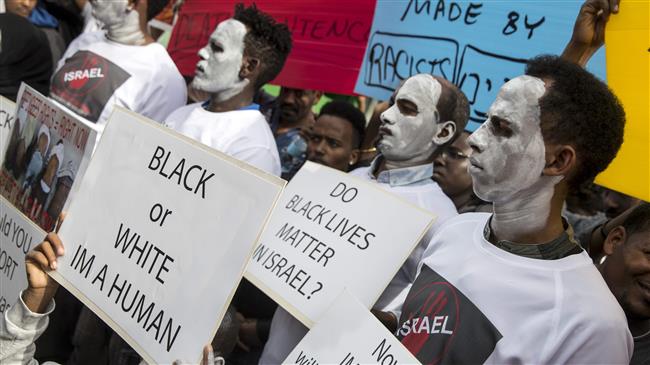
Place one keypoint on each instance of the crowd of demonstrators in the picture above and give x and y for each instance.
(526, 253)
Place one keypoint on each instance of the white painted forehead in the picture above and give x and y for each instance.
(529, 88)
(231, 28)
(422, 89)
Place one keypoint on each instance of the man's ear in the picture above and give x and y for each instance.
(317, 95)
(446, 131)
(560, 160)
(250, 66)
(354, 157)
(614, 239)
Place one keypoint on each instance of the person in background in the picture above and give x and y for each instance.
(625, 267)
(450, 171)
(25, 56)
(294, 118)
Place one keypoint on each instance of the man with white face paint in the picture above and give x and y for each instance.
(503, 287)
(120, 65)
(426, 113)
(243, 53)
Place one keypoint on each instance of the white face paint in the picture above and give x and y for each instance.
(510, 155)
(409, 126)
(122, 23)
(221, 59)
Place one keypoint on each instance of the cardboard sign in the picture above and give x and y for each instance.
(18, 235)
(47, 151)
(348, 334)
(329, 39)
(158, 235)
(476, 45)
(7, 115)
(628, 74)
(321, 239)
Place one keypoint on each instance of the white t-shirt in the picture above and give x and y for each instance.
(95, 74)
(411, 184)
(474, 303)
(243, 134)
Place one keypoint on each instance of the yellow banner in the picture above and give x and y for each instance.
(628, 74)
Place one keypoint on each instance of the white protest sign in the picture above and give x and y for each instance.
(7, 115)
(331, 230)
(348, 334)
(17, 236)
(158, 236)
(46, 151)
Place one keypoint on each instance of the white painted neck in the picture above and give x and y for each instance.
(127, 32)
(232, 91)
(414, 161)
(526, 214)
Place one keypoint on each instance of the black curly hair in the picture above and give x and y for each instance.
(348, 112)
(266, 40)
(579, 110)
(154, 7)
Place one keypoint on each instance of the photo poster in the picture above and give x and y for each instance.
(7, 114)
(47, 151)
(158, 236)
(628, 74)
(348, 334)
(331, 231)
(477, 45)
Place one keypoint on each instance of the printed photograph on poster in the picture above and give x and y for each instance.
(42, 157)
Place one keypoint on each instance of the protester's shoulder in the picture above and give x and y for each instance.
(465, 221)
(253, 122)
(163, 62)
(181, 113)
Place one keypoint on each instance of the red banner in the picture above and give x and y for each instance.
(329, 38)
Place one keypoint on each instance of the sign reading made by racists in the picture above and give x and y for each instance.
(45, 150)
(348, 334)
(7, 111)
(158, 236)
(477, 45)
(331, 231)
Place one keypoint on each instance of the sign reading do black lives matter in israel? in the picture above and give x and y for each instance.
(348, 334)
(45, 153)
(331, 231)
(158, 236)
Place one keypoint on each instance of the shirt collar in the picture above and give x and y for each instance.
(558, 248)
(414, 175)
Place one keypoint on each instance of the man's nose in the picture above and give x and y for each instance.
(204, 54)
(440, 159)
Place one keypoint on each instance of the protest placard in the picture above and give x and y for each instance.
(7, 111)
(329, 39)
(628, 74)
(321, 239)
(478, 45)
(47, 150)
(158, 236)
(18, 235)
(348, 334)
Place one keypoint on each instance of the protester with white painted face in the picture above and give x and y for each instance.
(243, 53)
(120, 65)
(426, 113)
(491, 287)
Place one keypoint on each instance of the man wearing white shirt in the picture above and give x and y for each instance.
(427, 112)
(243, 53)
(121, 65)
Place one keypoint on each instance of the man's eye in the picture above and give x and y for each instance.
(500, 127)
(215, 48)
(315, 138)
(333, 143)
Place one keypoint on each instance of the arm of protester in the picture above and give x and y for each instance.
(589, 30)
(25, 321)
